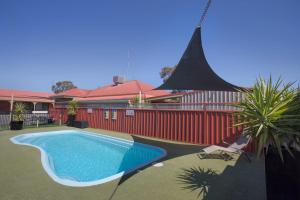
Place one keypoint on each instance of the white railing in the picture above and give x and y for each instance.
(29, 119)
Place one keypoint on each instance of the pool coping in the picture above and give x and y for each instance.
(46, 161)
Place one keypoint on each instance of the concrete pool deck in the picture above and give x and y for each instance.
(183, 175)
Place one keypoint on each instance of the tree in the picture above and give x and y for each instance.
(166, 72)
(62, 86)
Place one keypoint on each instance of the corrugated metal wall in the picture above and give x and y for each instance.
(216, 99)
(191, 126)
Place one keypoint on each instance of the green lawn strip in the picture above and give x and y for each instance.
(23, 177)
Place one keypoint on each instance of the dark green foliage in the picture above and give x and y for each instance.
(270, 114)
(62, 86)
(166, 72)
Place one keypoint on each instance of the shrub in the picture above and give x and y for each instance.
(72, 107)
(269, 114)
(18, 112)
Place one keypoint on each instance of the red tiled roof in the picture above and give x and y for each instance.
(105, 98)
(22, 95)
(129, 87)
(27, 99)
(75, 92)
(126, 90)
(9, 92)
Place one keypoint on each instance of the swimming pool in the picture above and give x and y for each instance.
(79, 158)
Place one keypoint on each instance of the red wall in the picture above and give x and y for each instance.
(4, 106)
(191, 126)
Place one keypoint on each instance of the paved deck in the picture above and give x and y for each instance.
(183, 176)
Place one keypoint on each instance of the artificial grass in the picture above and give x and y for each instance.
(7, 127)
(183, 175)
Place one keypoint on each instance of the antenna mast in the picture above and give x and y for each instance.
(128, 64)
(204, 13)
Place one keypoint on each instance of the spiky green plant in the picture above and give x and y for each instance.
(19, 111)
(72, 107)
(135, 100)
(268, 113)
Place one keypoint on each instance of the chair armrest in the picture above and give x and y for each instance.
(225, 142)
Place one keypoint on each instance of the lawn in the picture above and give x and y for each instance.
(184, 175)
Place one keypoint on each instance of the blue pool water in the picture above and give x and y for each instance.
(78, 158)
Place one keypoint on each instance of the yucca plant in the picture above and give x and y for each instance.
(72, 107)
(19, 111)
(269, 115)
(135, 100)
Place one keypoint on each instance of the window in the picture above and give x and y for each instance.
(114, 115)
(106, 114)
(90, 110)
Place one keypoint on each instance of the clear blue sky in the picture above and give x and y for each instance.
(87, 42)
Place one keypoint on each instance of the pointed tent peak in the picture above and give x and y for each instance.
(193, 71)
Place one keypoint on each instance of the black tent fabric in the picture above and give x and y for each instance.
(193, 71)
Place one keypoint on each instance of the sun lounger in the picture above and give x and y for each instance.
(236, 147)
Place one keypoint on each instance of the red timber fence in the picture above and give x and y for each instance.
(190, 126)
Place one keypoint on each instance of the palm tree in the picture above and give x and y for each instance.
(72, 110)
(72, 107)
(18, 112)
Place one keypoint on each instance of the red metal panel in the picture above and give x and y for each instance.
(218, 131)
(145, 122)
(150, 124)
(161, 134)
(190, 130)
(207, 128)
(193, 127)
(186, 130)
(168, 126)
(196, 128)
(214, 128)
(175, 126)
(183, 127)
(172, 125)
(200, 127)
(179, 137)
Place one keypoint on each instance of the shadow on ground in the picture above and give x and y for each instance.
(197, 179)
(173, 150)
(239, 180)
(234, 183)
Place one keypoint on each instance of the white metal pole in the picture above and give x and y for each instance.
(11, 106)
(140, 97)
(34, 104)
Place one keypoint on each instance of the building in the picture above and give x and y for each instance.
(118, 94)
(33, 100)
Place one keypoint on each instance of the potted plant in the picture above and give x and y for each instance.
(269, 115)
(72, 110)
(17, 117)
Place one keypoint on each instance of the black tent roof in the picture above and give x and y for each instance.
(193, 71)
